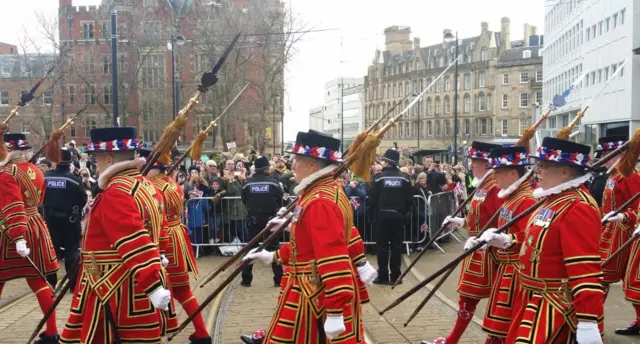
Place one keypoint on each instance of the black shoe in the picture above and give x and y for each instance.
(276, 282)
(245, 284)
(632, 330)
(381, 281)
(206, 340)
(255, 338)
(44, 339)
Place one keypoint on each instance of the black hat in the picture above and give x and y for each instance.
(480, 150)
(193, 168)
(16, 141)
(261, 163)
(317, 145)
(120, 139)
(65, 156)
(611, 142)
(508, 157)
(564, 152)
(392, 156)
(145, 152)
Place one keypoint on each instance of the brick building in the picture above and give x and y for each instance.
(145, 31)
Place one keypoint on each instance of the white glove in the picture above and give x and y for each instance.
(610, 217)
(367, 273)
(276, 222)
(637, 231)
(333, 326)
(164, 260)
(588, 333)
(499, 240)
(263, 256)
(471, 242)
(281, 211)
(21, 248)
(453, 222)
(161, 299)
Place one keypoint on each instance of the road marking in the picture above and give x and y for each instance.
(439, 294)
(14, 302)
(214, 310)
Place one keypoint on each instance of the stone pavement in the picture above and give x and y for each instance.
(618, 312)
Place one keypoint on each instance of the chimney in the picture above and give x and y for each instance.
(416, 43)
(65, 3)
(505, 34)
(529, 30)
(484, 26)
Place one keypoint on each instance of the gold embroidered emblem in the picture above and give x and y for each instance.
(31, 173)
(94, 269)
(523, 250)
(530, 240)
(534, 255)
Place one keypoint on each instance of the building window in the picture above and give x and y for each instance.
(606, 24)
(505, 79)
(481, 104)
(437, 128)
(153, 72)
(429, 108)
(600, 27)
(438, 85)
(539, 76)
(621, 70)
(526, 54)
(26, 127)
(4, 98)
(481, 81)
(104, 32)
(150, 3)
(447, 83)
(47, 97)
(447, 128)
(106, 65)
(484, 126)
(606, 73)
(524, 124)
(467, 103)
(121, 63)
(539, 98)
(593, 78)
(467, 81)
(447, 105)
(524, 77)
(599, 75)
(467, 126)
(614, 68)
(524, 100)
(505, 127)
(552, 122)
(437, 106)
(87, 30)
(429, 132)
(505, 101)
(588, 33)
(89, 95)
(622, 16)
(107, 92)
(484, 54)
(88, 125)
(72, 95)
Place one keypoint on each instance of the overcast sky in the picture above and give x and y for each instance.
(358, 24)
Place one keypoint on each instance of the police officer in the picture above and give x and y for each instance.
(391, 198)
(64, 200)
(262, 195)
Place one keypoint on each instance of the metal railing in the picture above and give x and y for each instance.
(224, 224)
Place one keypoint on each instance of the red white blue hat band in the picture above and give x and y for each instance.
(317, 152)
(113, 145)
(567, 158)
(510, 160)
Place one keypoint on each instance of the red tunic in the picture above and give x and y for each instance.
(22, 187)
(321, 279)
(479, 269)
(504, 295)
(121, 266)
(560, 270)
(617, 191)
(178, 251)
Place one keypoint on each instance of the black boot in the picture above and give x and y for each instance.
(206, 340)
(255, 338)
(381, 280)
(44, 339)
(632, 330)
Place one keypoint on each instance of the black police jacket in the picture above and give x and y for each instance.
(262, 194)
(64, 191)
(391, 190)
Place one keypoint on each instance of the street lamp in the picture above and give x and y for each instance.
(180, 41)
(448, 37)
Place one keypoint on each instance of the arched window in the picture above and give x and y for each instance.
(447, 105)
(407, 132)
(484, 54)
(437, 105)
(429, 132)
(481, 102)
(429, 106)
(400, 130)
(467, 103)
(437, 128)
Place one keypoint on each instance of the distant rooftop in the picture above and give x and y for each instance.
(25, 66)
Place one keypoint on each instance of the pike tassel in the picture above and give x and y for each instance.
(628, 159)
(196, 148)
(526, 137)
(3, 146)
(364, 157)
(357, 141)
(169, 137)
(52, 149)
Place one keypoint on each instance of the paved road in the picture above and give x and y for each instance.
(241, 310)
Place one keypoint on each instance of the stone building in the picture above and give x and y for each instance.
(489, 107)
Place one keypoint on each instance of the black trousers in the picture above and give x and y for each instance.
(389, 231)
(66, 236)
(256, 224)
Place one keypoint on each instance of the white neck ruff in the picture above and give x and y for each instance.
(573, 183)
(476, 182)
(16, 154)
(513, 187)
(103, 180)
(306, 181)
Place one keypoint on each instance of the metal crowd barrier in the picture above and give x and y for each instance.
(224, 224)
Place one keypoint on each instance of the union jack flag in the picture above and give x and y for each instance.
(354, 203)
(458, 189)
